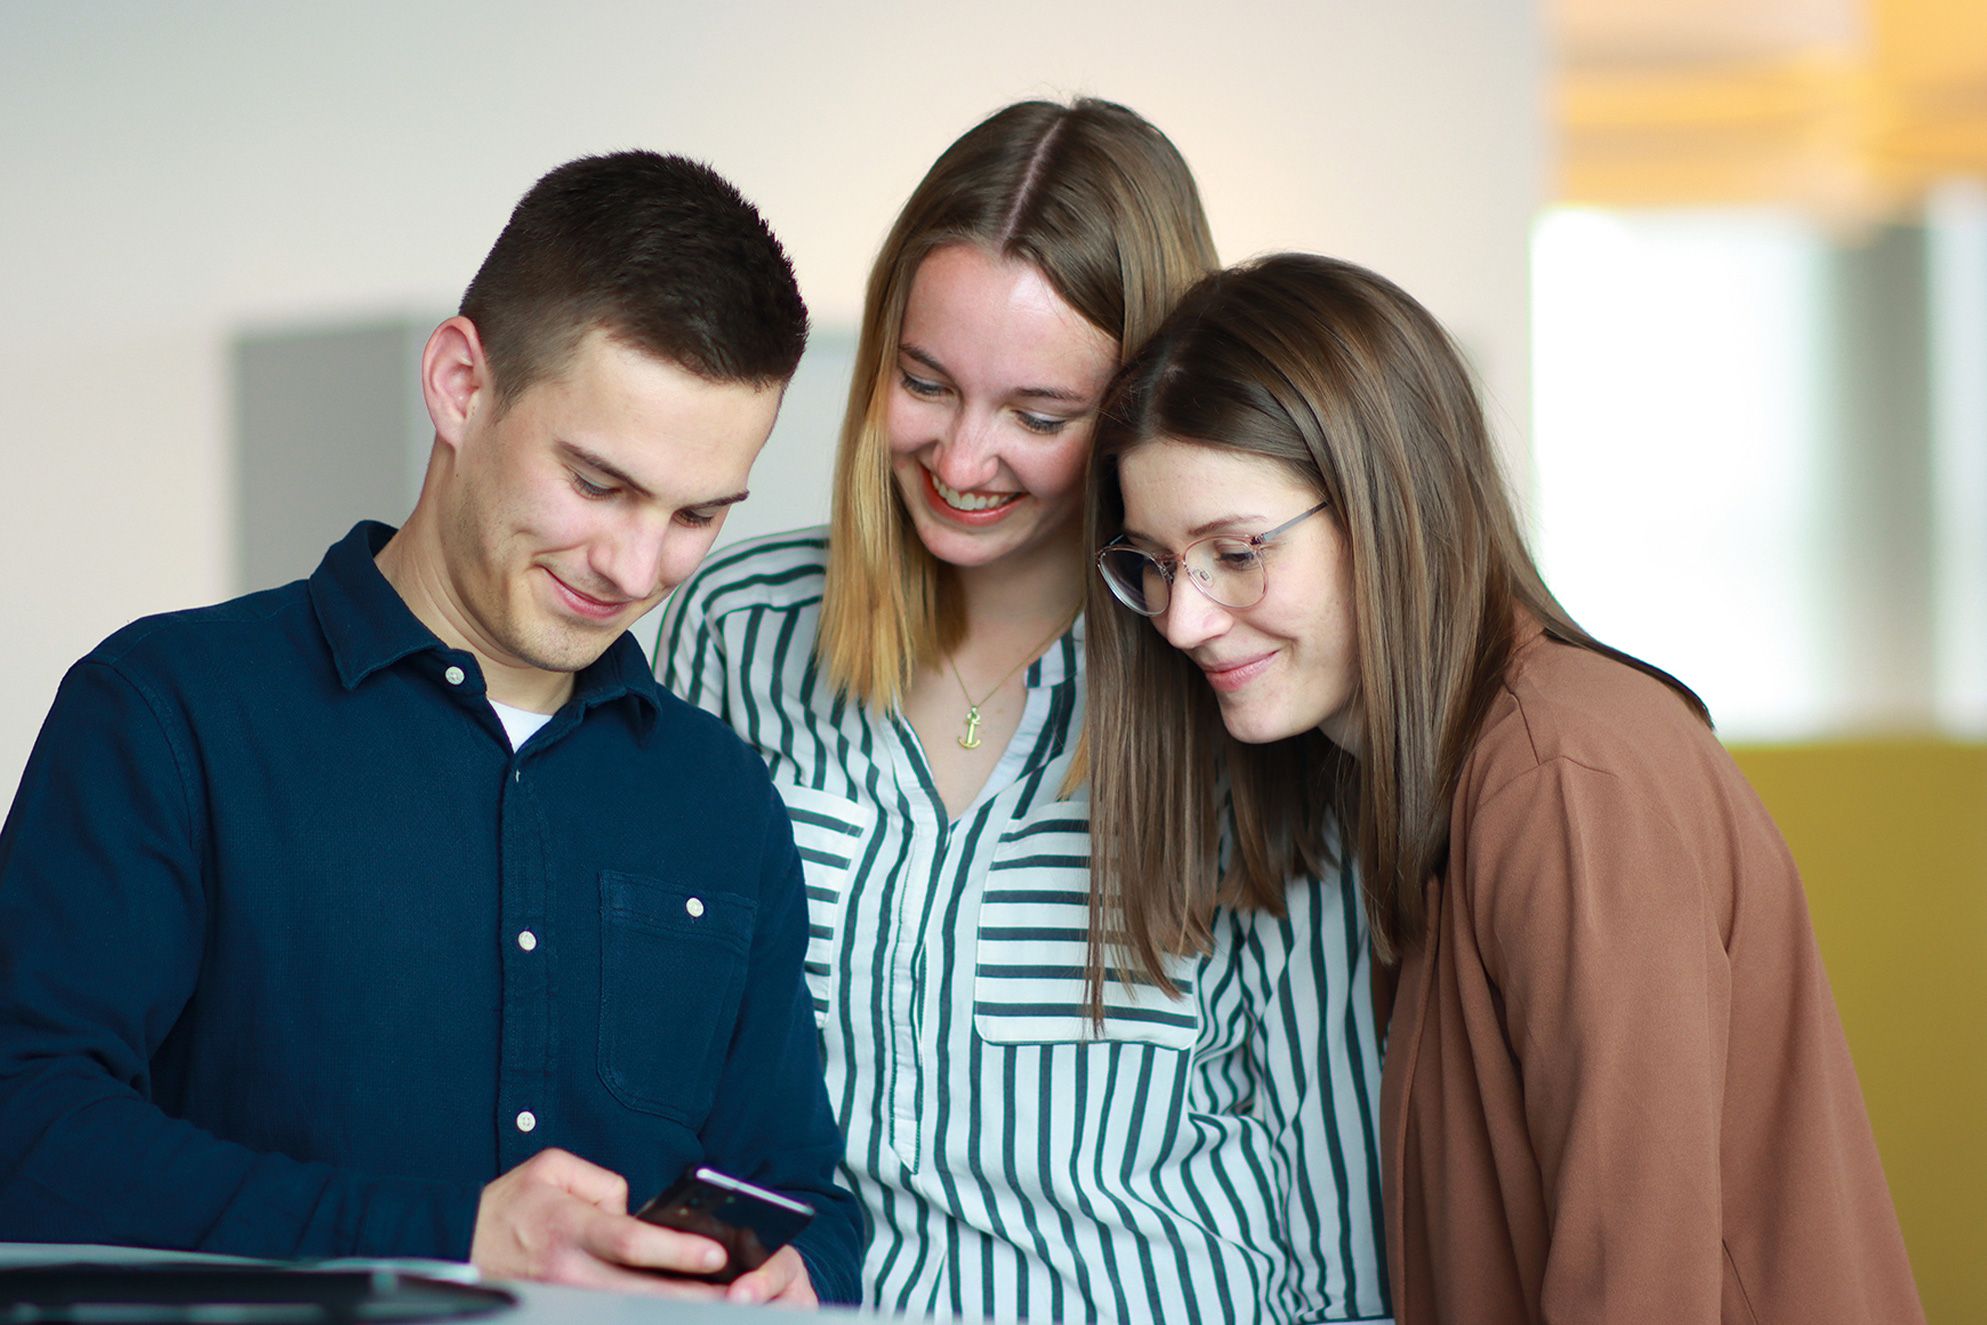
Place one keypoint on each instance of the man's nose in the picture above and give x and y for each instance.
(633, 558)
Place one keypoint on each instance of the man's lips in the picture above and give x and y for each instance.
(1234, 673)
(585, 604)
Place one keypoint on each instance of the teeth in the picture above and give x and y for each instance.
(960, 501)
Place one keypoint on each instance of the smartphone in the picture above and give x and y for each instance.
(749, 1222)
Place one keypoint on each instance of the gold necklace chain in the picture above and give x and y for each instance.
(971, 740)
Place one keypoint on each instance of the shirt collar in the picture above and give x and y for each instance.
(368, 626)
(621, 673)
(363, 618)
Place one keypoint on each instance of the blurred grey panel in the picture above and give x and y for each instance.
(792, 480)
(330, 428)
(1879, 418)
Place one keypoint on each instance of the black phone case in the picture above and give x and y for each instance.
(749, 1228)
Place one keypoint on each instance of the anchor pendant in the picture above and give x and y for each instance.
(971, 740)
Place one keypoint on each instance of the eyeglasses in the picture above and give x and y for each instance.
(1226, 570)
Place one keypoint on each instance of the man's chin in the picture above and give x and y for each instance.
(571, 650)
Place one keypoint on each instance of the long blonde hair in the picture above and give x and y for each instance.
(1102, 204)
(1341, 377)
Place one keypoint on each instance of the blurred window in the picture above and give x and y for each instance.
(1760, 458)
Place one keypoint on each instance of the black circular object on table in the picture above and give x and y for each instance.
(93, 1294)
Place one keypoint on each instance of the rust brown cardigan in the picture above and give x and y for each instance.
(1616, 1087)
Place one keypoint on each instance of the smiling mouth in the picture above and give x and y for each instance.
(600, 609)
(1227, 676)
(967, 501)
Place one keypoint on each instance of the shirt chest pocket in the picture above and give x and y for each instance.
(672, 971)
(1029, 983)
(829, 832)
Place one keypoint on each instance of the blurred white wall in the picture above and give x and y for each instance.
(172, 174)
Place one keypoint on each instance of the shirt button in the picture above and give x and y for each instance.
(454, 675)
(695, 906)
(526, 939)
(526, 1121)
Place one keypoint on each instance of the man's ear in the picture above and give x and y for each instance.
(455, 379)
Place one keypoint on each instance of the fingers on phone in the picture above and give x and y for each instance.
(617, 1278)
(625, 1240)
(782, 1279)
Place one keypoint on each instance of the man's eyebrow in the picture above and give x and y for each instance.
(610, 470)
(1057, 393)
(602, 465)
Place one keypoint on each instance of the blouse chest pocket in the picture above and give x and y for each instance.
(1029, 984)
(672, 972)
(829, 832)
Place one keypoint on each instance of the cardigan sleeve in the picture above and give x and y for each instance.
(1599, 937)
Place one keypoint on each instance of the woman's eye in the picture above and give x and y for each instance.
(1042, 424)
(920, 387)
(1235, 558)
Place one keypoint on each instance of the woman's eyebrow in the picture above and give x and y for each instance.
(1224, 522)
(1056, 393)
(1199, 531)
(1051, 393)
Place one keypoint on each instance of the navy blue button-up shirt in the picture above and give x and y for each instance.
(296, 953)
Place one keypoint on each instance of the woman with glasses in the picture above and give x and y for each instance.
(1616, 1088)
(913, 676)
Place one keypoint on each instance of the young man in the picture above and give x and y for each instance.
(398, 911)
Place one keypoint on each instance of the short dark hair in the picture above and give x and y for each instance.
(658, 251)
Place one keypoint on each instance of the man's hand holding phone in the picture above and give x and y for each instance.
(752, 1224)
(782, 1281)
(560, 1219)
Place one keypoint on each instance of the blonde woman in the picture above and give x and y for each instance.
(913, 676)
(1616, 1087)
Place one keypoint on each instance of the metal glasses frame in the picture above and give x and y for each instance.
(1169, 567)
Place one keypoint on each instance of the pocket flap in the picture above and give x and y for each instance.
(677, 909)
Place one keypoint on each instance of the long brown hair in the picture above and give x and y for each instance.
(1336, 373)
(1102, 204)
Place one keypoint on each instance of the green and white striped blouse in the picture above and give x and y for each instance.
(1210, 1158)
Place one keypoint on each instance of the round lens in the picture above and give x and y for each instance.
(1135, 578)
(1228, 570)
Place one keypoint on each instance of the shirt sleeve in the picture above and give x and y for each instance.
(103, 913)
(1593, 922)
(689, 652)
(770, 1121)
